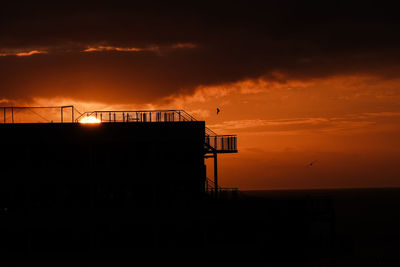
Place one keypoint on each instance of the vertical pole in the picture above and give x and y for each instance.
(101, 117)
(215, 173)
(62, 108)
(72, 116)
(109, 116)
(4, 115)
(12, 114)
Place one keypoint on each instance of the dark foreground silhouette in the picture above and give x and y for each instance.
(134, 194)
(277, 228)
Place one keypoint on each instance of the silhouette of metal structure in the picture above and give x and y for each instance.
(11, 110)
(214, 144)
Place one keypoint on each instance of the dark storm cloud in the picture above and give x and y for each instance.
(230, 42)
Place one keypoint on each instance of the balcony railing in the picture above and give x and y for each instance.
(222, 143)
(211, 189)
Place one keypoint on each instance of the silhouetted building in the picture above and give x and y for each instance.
(148, 157)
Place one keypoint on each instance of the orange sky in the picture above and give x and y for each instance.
(349, 124)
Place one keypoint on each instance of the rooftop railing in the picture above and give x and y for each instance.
(222, 143)
(138, 116)
(62, 114)
(48, 114)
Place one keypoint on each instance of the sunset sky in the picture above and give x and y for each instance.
(297, 82)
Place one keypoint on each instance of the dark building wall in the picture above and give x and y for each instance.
(101, 164)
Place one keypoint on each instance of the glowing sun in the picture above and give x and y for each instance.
(89, 119)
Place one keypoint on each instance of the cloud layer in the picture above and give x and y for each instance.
(141, 52)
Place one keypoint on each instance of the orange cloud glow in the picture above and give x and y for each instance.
(23, 54)
(153, 48)
(112, 48)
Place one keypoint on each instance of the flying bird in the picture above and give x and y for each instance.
(218, 110)
(311, 163)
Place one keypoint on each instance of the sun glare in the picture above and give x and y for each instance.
(89, 119)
